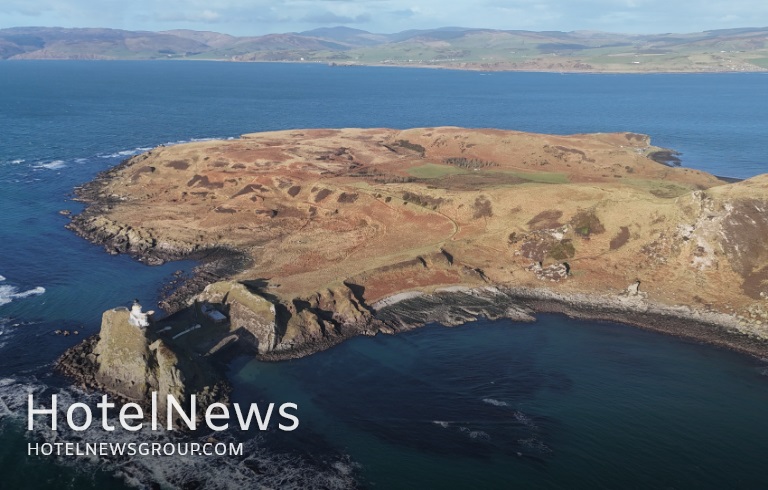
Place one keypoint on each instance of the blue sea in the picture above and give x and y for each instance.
(555, 404)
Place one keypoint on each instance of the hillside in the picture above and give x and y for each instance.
(479, 49)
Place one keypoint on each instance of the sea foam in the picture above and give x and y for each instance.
(54, 165)
(495, 403)
(142, 149)
(10, 293)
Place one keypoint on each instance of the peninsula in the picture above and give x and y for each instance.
(309, 237)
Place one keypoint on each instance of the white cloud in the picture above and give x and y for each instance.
(262, 16)
(204, 16)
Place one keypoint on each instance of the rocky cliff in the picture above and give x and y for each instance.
(131, 362)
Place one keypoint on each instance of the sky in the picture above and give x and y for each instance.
(257, 17)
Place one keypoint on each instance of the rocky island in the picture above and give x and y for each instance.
(309, 237)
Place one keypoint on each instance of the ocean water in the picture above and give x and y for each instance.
(556, 404)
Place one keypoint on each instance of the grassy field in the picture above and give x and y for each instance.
(434, 171)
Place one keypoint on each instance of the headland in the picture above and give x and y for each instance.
(309, 237)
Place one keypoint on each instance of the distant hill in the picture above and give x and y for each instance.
(742, 49)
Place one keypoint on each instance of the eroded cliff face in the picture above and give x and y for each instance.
(125, 363)
(131, 363)
(271, 325)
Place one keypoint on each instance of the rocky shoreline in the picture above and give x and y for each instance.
(459, 305)
(307, 238)
(215, 262)
(452, 306)
(456, 306)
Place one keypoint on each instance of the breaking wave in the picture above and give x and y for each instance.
(54, 165)
(495, 403)
(142, 149)
(257, 467)
(9, 293)
(475, 434)
(3, 336)
(126, 153)
(524, 419)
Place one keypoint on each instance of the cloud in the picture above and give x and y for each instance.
(250, 17)
(404, 13)
(327, 17)
(204, 16)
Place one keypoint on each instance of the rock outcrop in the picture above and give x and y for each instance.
(252, 317)
(131, 363)
(274, 327)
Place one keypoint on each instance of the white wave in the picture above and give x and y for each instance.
(475, 434)
(126, 153)
(441, 423)
(524, 419)
(479, 434)
(3, 338)
(2, 278)
(495, 403)
(9, 293)
(54, 165)
(142, 149)
(18, 161)
(81, 160)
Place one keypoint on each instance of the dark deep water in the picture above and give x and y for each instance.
(557, 404)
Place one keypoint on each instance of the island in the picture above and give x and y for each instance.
(309, 237)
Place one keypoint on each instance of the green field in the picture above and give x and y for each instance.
(434, 171)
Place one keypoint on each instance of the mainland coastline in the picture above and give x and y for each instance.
(294, 308)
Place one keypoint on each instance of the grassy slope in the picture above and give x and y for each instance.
(732, 50)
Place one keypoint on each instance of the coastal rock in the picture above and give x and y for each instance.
(123, 356)
(452, 307)
(251, 316)
(271, 325)
(131, 363)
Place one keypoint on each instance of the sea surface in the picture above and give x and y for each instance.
(555, 404)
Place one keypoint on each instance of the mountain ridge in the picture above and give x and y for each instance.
(724, 50)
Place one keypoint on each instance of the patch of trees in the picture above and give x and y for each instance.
(394, 179)
(411, 146)
(422, 200)
(470, 162)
